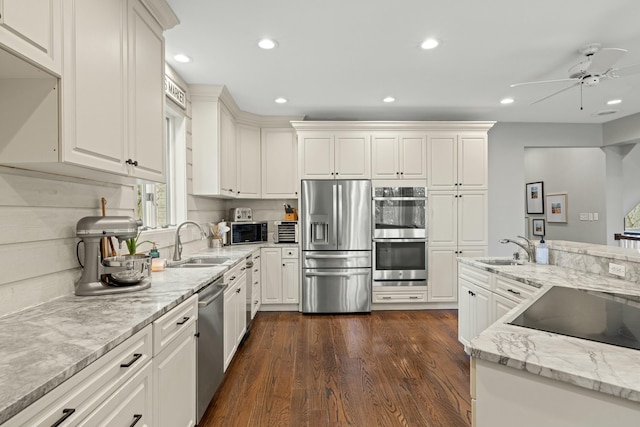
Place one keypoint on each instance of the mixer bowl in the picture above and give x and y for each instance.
(135, 268)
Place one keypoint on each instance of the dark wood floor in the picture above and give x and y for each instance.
(387, 368)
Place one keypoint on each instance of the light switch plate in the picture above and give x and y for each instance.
(590, 217)
(595, 216)
(617, 269)
(584, 217)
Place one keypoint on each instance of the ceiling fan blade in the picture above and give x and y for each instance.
(556, 93)
(628, 70)
(603, 60)
(542, 81)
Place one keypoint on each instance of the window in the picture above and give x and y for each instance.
(164, 205)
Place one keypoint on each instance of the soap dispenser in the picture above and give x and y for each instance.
(542, 253)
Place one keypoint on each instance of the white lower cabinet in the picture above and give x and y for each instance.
(174, 366)
(131, 405)
(235, 320)
(280, 276)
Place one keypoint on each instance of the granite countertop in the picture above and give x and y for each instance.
(43, 346)
(602, 367)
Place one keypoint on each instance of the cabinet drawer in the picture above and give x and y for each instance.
(474, 275)
(394, 297)
(77, 397)
(232, 275)
(169, 326)
(289, 252)
(130, 405)
(512, 289)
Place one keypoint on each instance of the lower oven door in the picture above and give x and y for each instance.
(400, 259)
(343, 290)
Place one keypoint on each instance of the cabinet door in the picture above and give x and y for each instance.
(464, 311)
(147, 141)
(384, 157)
(33, 29)
(230, 325)
(271, 278)
(443, 221)
(472, 218)
(132, 404)
(413, 156)
(501, 306)
(472, 162)
(279, 164)
(290, 280)
(352, 156)
(227, 153)
(317, 156)
(248, 162)
(443, 164)
(94, 87)
(483, 310)
(443, 275)
(174, 382)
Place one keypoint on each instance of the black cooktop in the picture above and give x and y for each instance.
(592, 315)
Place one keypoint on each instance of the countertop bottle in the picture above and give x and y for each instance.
(542, 253)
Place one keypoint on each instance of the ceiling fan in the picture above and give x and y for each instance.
(598, 64)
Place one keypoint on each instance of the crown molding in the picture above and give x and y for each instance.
(431, 126)
(162, 13)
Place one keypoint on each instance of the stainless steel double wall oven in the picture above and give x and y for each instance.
(399, 236)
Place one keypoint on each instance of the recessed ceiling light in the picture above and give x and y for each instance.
(182, 58)
(614, 101)
(429, 44)
(389, 99)
(507, 101)
(267, 44)
(281, 100)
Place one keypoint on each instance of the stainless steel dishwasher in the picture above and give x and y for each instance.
(210, 343)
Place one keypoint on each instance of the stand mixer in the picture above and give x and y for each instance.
(110, 275)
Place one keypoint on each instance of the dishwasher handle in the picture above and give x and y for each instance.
(216, 294)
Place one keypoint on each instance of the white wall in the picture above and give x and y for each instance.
(506, 170)
(579, 172)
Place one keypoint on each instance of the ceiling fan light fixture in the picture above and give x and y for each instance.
(267, 44)
(429, 44)
(388, 99)
(614, 102)
(181, 57)
(507, 101)
(281, 100)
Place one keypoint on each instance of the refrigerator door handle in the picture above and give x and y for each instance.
(345, 256)
(335, 213)
(340, 214)
(334, 274)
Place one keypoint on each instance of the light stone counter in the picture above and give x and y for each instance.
(592, 365)
(43, 346)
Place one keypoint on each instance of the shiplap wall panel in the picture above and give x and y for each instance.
(16, 296)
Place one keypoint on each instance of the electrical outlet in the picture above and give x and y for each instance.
(590, 216)
(617, 269)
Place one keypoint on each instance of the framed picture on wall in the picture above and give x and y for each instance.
(535, 197)
(537, 227)
(556, 207)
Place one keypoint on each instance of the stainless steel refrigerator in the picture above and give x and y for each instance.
(336, 246)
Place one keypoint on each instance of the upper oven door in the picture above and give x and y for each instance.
(400, 213)
(399, 259)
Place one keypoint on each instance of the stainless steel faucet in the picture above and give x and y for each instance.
(177, 248)
(529, 249)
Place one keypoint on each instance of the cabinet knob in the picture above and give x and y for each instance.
(238, 191)
(397, 173)
(401, 173)
(283, 265)
(238, 291)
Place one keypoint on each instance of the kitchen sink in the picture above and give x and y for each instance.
(501, 262)
(190, 265)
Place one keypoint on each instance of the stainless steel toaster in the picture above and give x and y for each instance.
(240, 214)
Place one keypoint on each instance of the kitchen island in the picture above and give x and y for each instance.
(528, 377)
(45, 345)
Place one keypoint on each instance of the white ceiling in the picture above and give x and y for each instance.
(337, 59)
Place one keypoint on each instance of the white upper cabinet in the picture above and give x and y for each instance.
(146, 95)
(248, 162)
(329, 155)
(33, 29)
(398, 156)
(213, 143)
(279, 163)
(457, 161)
